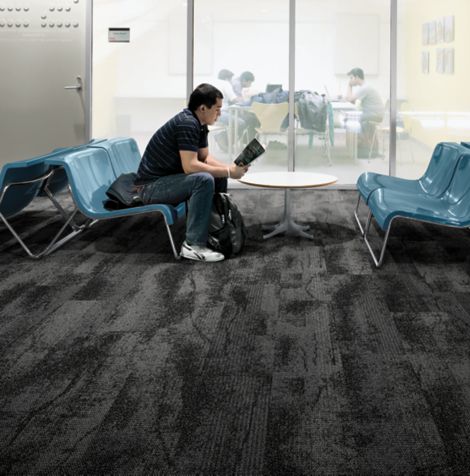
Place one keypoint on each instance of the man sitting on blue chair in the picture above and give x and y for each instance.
(176, 166)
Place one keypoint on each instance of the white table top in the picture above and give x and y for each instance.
(287, 179)
(342, 105)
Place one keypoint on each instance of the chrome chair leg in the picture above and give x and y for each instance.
(51, 246)
(172, 242)
(356, 214)
(378, 262)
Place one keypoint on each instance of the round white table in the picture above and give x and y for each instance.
(288, 181)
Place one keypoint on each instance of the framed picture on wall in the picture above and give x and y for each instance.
(449, 33)
(425, 34)
(440, 60)
(432, 32)
(425, 62)
(449, 60)
(440, 30)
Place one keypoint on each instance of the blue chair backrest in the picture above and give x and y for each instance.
(90, 174)
(17, 197)
(460, 193)
(58, 181)
(441, 167)
(124, 153)
(460, 185)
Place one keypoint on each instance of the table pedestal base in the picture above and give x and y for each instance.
(287, 225)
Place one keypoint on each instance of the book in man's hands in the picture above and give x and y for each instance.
(251, 152)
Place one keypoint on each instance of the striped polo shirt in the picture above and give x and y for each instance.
(161, 156)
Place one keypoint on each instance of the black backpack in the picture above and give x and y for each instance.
(311, 110)
(122, 193)
(227, 231)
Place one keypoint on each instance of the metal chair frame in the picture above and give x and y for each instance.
(378, 261)
(68, 219)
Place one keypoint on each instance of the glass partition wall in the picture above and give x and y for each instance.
(340, 128)
(242, 48)
(306, 45)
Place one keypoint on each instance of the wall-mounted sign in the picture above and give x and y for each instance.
(119, 35)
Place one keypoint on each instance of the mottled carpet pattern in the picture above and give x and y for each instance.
(296, 358)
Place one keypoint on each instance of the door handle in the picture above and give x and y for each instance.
(78, 86)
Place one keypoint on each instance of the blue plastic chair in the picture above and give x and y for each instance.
(90, 173)
(452, 208)
(434, 181)
(20, 183)
(124, 153)
(328, 135)
(58, 181)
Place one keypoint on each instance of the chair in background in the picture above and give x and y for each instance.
(218, 137)
(382, 133)
(271, 118)
(326, 132)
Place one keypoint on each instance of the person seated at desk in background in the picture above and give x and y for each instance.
(372, 111)
(246, 121)
(245, 80)
(176, 166)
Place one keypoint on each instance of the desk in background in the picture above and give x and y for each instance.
(345, 114)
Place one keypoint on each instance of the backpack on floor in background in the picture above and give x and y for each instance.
(227, 231)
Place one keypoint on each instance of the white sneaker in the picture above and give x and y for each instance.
(200, 253)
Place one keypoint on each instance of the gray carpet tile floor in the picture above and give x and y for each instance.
(297, 357)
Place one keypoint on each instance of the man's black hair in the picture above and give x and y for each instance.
(247, 76)
(205, 94)
(225, 74)
(358, 72)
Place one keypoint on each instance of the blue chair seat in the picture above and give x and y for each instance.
(389, 204)
(99, 212)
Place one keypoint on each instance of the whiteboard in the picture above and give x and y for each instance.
(357, 43)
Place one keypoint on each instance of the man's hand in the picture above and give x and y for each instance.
(237, 171)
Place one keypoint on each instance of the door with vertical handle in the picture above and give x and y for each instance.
(45, 83)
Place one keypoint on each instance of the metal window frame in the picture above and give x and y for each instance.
(88, 90)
